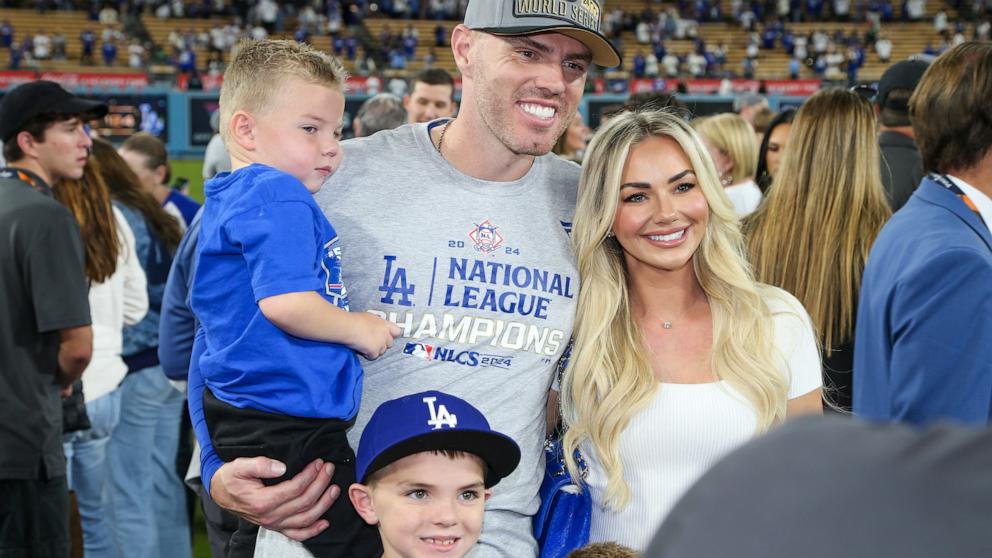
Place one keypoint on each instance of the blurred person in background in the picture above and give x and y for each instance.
(730, 141)
(432, 96)
(812, 234)
(118, 297)
(762, 119)
(772, 147)
(902, 167)
(216, 158)
(148, 500)
(749, 104)
(823, 487)
(380, 112)
(149, 159)
(572, 144)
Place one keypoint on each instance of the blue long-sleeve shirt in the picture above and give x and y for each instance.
(209, 462)
(178, 324)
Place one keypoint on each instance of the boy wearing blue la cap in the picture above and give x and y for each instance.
(425, 465)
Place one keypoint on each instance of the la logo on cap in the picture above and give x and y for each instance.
(440, 415)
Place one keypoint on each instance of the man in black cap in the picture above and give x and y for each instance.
(45, 335)
(902, 167)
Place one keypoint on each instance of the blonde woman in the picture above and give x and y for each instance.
(730, 141)
(678, 356)
(813, 233)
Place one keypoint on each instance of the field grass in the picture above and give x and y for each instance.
(201, 548)
(191, 170)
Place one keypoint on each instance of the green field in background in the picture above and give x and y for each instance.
(191, 170)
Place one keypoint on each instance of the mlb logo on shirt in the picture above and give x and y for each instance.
(486, 237)
(419, 350)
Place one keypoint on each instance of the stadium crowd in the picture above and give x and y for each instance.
(375, 342)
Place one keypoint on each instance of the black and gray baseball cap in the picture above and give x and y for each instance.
(901, 75)
(578, 19)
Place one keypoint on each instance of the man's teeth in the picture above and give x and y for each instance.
(443, 542)
(538, 110)
(668, 237)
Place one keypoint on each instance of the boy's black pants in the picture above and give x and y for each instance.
(296, 442)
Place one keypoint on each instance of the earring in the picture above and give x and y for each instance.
(609, 234)
(726, 179)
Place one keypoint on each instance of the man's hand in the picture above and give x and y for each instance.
(292, 507)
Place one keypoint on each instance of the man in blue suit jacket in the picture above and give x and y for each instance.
(924, 330)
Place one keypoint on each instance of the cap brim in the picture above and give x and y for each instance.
(500, 453)
(75, 105)
(603, 51)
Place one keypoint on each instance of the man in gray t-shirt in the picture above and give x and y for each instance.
(45, 336)
(457, 230)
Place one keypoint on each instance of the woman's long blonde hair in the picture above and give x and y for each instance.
(608, 377)
(812, 234)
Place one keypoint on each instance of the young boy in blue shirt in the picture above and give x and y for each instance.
(277, 342)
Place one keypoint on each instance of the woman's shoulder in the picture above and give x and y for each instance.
(781, 303)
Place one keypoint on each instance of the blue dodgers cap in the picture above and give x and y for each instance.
(432, 421)
(578, 19)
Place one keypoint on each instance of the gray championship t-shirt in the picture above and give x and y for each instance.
(481, 278)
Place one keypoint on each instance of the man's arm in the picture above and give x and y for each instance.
(178, 324)
(941, 355)
(293, 507)
(75, 351)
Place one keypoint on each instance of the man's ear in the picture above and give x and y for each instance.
(406, 102)
(242, 130)
(361, 498)
(462, 39)
(27, 143)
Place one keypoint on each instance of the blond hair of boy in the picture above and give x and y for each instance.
(258, 68)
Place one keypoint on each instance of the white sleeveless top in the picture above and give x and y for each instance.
(685, 429)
